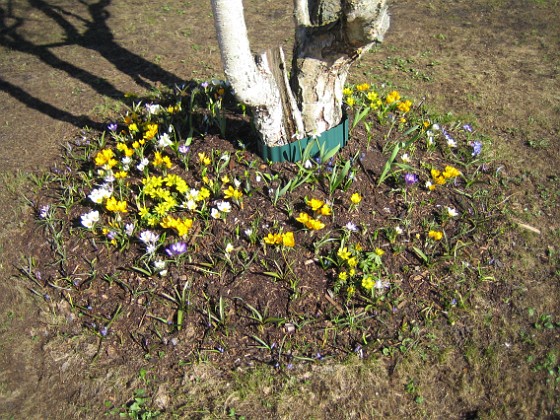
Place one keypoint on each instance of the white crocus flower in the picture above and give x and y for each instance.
(153, 108)
(89, 219)
(149, 237)
(351, 227)
(190, 204)
(451, 212)
(99, 194)
(129, 229)
(224, 206)
(159, 265)
(143, 163)
(164, 140)
(215, 213)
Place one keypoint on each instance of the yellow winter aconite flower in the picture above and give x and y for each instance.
(121, 174)
(173, 109)
(350, 101)
(181, 226)
(160, 160)
(151, 131)
(430, 186)
(319, 207)
(372, 96)
(144, 212)
(105, 157)
(288, 239)
(356, 198)
(152, 182)
(343, 253)
(309, 222)
(352, 262)
(375, 104)
(438, 178)
(203, 194)
(172, 180)
(436, 235)
(347, 91)
(362, 87)
(325, 210)
(273, 239)
(202, 158)
(441, 178)
(314, 204)
(161, 209)
(368, 283)
(231, 192)
(450, 172)
(314, 224)
(116, 206)
(133, 128)
(392, 97)
(343, 276)
(404, 106)
(303, 218)
(121, 147)
(379, 252)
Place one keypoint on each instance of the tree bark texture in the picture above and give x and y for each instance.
(330, 36)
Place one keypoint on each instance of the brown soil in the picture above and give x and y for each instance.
(64, 66)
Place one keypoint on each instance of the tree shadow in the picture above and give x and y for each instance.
(97, 37)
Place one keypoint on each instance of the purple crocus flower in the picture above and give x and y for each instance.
(112, 127)
(176, 249)
(184, 149)
(450, 140)
(468, 127)
(477, 148)
(410, 179)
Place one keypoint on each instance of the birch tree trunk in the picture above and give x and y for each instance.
(330, 36)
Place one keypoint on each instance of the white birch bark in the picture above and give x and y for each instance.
(323, 54)
(253, 85)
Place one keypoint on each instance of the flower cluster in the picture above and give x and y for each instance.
(286, 239)
(138, 183)
(319, 208)
(358, 269)
(145, 187)
(364, 98)
(442, 177)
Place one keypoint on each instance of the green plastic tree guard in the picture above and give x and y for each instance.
(293, 152)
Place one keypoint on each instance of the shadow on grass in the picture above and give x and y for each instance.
(96, 37)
